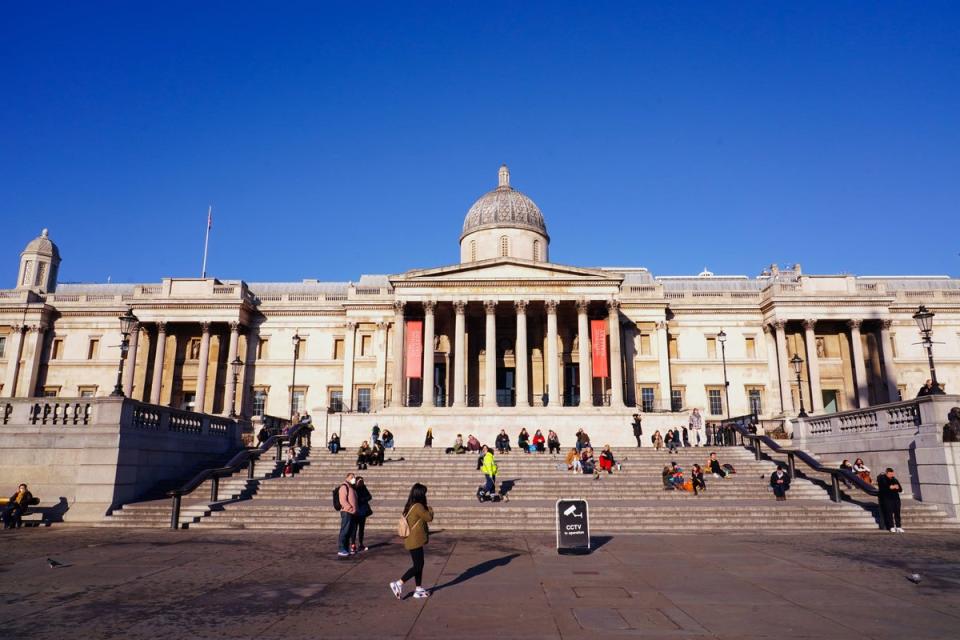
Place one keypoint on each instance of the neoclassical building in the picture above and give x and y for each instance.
(505, 337)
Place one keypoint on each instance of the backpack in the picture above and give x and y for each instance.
(403, 527)
(336, 497)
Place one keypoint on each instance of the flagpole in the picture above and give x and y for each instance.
(206, 242)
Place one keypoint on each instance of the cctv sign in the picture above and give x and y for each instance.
(573, 525)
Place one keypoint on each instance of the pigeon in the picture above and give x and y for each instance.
(55, 564)
(914, 578)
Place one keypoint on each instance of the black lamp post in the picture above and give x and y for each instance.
(797, 363)
(722, 339)
(924, 319)
(127, 322)
(293, 382)
(235, 367)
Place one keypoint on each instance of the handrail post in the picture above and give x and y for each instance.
(175, 512)
(279, 450)
(792, 466)
(756, 448)
(835, 481)
(214, 488)
(250, 469)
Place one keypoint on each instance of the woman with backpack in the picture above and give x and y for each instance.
(415, 533)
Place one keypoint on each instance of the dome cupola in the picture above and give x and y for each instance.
(39, 263)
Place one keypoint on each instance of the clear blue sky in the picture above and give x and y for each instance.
(352, 137)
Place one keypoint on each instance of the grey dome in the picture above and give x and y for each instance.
(504, 207)
(43, 246)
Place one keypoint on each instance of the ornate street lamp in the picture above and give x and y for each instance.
(722, 339)
(924, 319)
(127, 323)
(797, 363)
(235, 367)
(293, 383)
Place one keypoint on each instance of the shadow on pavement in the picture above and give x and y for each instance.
(477, 570)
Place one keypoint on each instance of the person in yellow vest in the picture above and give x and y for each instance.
(488, 467)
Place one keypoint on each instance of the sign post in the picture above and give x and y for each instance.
(573, 526)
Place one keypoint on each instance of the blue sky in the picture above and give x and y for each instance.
(352, 137)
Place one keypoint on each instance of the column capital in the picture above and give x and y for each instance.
(767, 328)
(582, 305)
(662, 324)
(520, 306)
(854, 323)
(810, 323)
(613, 304)
(398, 306)
(382, 325)
(886, 323)
(779, 325)
(351, 325)
(551, 306)
(162, 326)
(36, 328)
(490, 306)
(205, 328)
(429, 306)
(460, 306)
(235, 327)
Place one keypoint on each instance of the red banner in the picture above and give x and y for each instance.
(598, 336)
(414, 339)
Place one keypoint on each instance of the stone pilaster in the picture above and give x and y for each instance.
(586, 368)
(349, 347)
(616, 361)
(780, 332)
(553, 359)
(14, 353)
(428, 338)
(663, 360)
(159, 351)
(459, 354)
(490, 359)
(130, 366)
(230, 394)
(859, 369)
(813, 364)
(33, 352)
(886, 353)
(521, 355)
(379, 388)
(398, 386)
(773, 371)
(201, 402)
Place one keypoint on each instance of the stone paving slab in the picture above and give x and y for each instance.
(135, 584)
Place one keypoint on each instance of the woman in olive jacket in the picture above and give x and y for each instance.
(418, 514)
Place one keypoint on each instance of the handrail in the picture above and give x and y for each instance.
(740, 425)
(245, 458)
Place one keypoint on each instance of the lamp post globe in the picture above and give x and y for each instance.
(127, 323)
(235, 368)
(924, 319)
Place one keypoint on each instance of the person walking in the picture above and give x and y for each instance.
(363, 512)
(347, 499)
(780, 481)
(695, 428)
(488, 467)
(417, 515)
(889, 498)
(638, 429)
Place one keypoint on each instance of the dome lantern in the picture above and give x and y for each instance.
(39, 263)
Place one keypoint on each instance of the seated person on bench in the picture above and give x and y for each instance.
(18, 504)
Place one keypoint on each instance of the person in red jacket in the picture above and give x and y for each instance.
(606, 459)
(539, 441)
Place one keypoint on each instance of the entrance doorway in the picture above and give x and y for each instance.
(571, 384)
(830, 401)
(506, 386)
(440, 384)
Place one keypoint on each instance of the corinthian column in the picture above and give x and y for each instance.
(586, 375)
(859, 370)
(349, 346)
(616, 362)
(490, 360)
(428, 332)
(31, 370)
(780, 328)
(772, 368)
(230, 393)
(397, 384)
(459, 355)
(159, 351)
(131, 364)
(201, 405)
(813, 364)
(663, 363)
(520, 349)
(889, 371)
(553, 360)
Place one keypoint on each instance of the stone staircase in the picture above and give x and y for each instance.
(630, 500)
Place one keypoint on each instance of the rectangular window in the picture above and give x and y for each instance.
(3, 346)
(647, 399)
(756, 402)
(189, 401)
(51, 392)
(298, 400)
(263, 345)
(259, 401)
(363, 400)
(87, 392)
(645, 344)
(676, 399)
(751, 348)
(366, 348)
(673, 348)
(336, 400)
(715, 398)
(56, 349)
(712, 348)
(93, 349)
(338, 349)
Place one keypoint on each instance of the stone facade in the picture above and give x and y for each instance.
(509, 332)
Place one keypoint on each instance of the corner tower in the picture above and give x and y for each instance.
(39, 263)
(504, 223)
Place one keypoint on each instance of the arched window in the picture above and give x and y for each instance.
(473, 251)
(504, 246)
(536, 251)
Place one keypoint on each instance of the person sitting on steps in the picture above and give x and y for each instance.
(539, 441)
(523, 440)
(587, 462)
(657, 440)
(715, 468)
(573, 460)
(334, 444)
(696, 475)
(472, 443)
(606, 460)
(364, 455)
(553, 442)
(780, 481)
(457, 445)
(502, 442)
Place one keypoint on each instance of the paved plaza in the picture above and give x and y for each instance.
(163, 584)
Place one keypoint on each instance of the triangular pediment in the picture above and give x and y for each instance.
(509, 269)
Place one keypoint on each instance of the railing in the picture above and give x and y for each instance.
(891, 417)
(246, 458)
(745, 425)
(59, 413)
